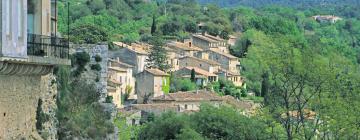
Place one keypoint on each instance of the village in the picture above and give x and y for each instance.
(137, 90)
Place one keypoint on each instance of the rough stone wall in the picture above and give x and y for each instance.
(19, 97)
(49, 107)
(93, 50)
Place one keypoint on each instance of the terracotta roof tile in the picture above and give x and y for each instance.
(157, 72)
(218, 51)
(200, 71)
(200, 95)
(203, 60)
(183, 46)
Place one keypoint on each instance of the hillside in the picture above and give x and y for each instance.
(289, 3)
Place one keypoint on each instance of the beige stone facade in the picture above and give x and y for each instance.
(134, 54)
(208, 65)
(150, 82)
(202, 77)
(206, 41)
(125, 76)
(18, 102)
(227, 61)
(189, 101)
(183, 49)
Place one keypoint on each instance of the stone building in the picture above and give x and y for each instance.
(151, 83)
(134, 54)
(173, 59)
(326, 18)
(114, 85)
(206, 41)
(227, 61)
(205, 64)
(125, 77)
(189, 101)
(29, 51)
(183, 49)
(231, 76)
(202, 77)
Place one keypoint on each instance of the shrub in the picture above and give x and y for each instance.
(98, 58)
(89, 34)
(109, 99)
(41, 117)
(81, 58)
(96, 67)
(182, 85)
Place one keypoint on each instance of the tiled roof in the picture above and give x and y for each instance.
(216, 50)
(138, 50)
(204, 38)
(120, 44)
(157, 72)
(214, 37)
(117, 69)
(183, 46)
(119, 62)
(229, 72)
(200, 95)
(152, 106)
(203, 60)
(200, 71)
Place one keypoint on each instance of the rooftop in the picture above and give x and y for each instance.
(200, 95)
(214, 37)
(200, 71)
(203, 60)
(157, 72)
(120, 63)
(152, 106)
(204, 38)
(229, 72)
(183, 46)
(134, 47)
(216, 50)
(117, 69)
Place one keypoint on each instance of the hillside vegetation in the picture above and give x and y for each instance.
(307, 72)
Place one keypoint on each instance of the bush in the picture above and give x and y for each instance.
(89, 34)
(98, 58)
(109, 99)
(96, 67)
(182, 85)
(79, 113)
(81, 58)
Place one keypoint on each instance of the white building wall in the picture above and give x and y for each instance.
(14, 23)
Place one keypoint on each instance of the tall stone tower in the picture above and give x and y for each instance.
(29, 50)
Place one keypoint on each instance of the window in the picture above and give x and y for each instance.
(186, 107)
(200, 65)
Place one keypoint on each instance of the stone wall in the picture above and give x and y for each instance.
(93, 50)
(19, 97)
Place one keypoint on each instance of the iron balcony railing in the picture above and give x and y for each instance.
(46, 46)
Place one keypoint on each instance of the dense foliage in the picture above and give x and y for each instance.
(79, 113)
(296, 63)
(210, 123)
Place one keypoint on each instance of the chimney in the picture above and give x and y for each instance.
(190, 44)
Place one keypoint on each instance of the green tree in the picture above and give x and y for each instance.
(192, 78)
(158, 55)
(89, 34)
(153, 25)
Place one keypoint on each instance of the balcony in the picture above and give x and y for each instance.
(46, 46)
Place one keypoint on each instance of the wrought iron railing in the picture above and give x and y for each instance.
(46, 46)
